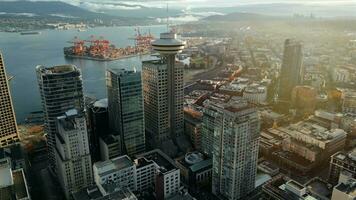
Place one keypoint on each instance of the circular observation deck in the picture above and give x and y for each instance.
(168, 44)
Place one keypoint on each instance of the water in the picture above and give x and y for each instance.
(22, 53)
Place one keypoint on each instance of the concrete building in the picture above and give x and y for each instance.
(291, 72)
(157, 171)
(13, 184)
(110, 147)
(208, 127)
(283, 188)
(349, 102)
(17, 155)
(341, 75)
(163, 89)
(98, 126)
(346, 189)
(119, 172)
(94, 193)
(61, 89)
(72, 152)
(235, 148)
(310, 141)
(342, 161)
(304, 99)
(126, 113)
(195, 170)
(255, 94)
(193, 126)
(8, 126)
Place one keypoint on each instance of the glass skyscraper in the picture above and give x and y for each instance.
(125, 106)
(61, 89)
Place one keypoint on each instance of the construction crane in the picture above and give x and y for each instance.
(142, 41)
(78, 46)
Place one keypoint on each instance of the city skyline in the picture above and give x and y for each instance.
(234, 105)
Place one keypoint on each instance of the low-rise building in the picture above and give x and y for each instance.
(13, 184)
(342, 161)
(195, 169)
(255, 94)
(110, 147)
(346, 189)
(94, 193)
(120, 171)
(166, 176)
(283, 188)
(192, 127)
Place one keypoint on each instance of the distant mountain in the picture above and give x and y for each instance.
(286, 9)
(46, 8)
(239, 17)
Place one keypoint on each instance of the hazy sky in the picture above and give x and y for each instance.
(209, 3)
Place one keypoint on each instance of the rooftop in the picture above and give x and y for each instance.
(113, 165)
(168, 42)
(319, 187)
(102, 103)
(123, 72)
(67, 121)
(345, 157)
(59, 69)
(313, 130)
(161, 159)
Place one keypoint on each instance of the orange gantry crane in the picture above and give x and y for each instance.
(78, 46)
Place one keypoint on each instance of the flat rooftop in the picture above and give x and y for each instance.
(309, 129)
(113, 165)
(161, 159)
(346, 157)
(319, 187)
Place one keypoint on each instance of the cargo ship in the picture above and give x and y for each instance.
(101, 49)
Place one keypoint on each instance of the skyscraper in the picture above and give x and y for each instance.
(163, 89)
(72, 152)
(235, 148)
(61, 89)
(8, 126)
(98, 116)
(126, 113)
(291, 72)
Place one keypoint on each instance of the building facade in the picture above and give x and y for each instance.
(163, 87)
(8, 126)
(72, 153)
(208, 127)
(235, 149)
(126, 112)
(291, 72)
(119, 171)
(98, 125)
(342, 162)
(61, 89)
(155, 81)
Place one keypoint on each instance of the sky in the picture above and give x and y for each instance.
(197, 3)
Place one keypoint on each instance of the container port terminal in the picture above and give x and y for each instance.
(100, 49)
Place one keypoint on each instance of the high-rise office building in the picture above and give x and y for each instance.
(126, 114)
(98, 125)
(61, 89)
(72, 152)
(235, 149)
(208, 127)
(8, 126)
(163, 89)
(291, 72)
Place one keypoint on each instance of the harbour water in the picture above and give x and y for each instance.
(22, 53)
